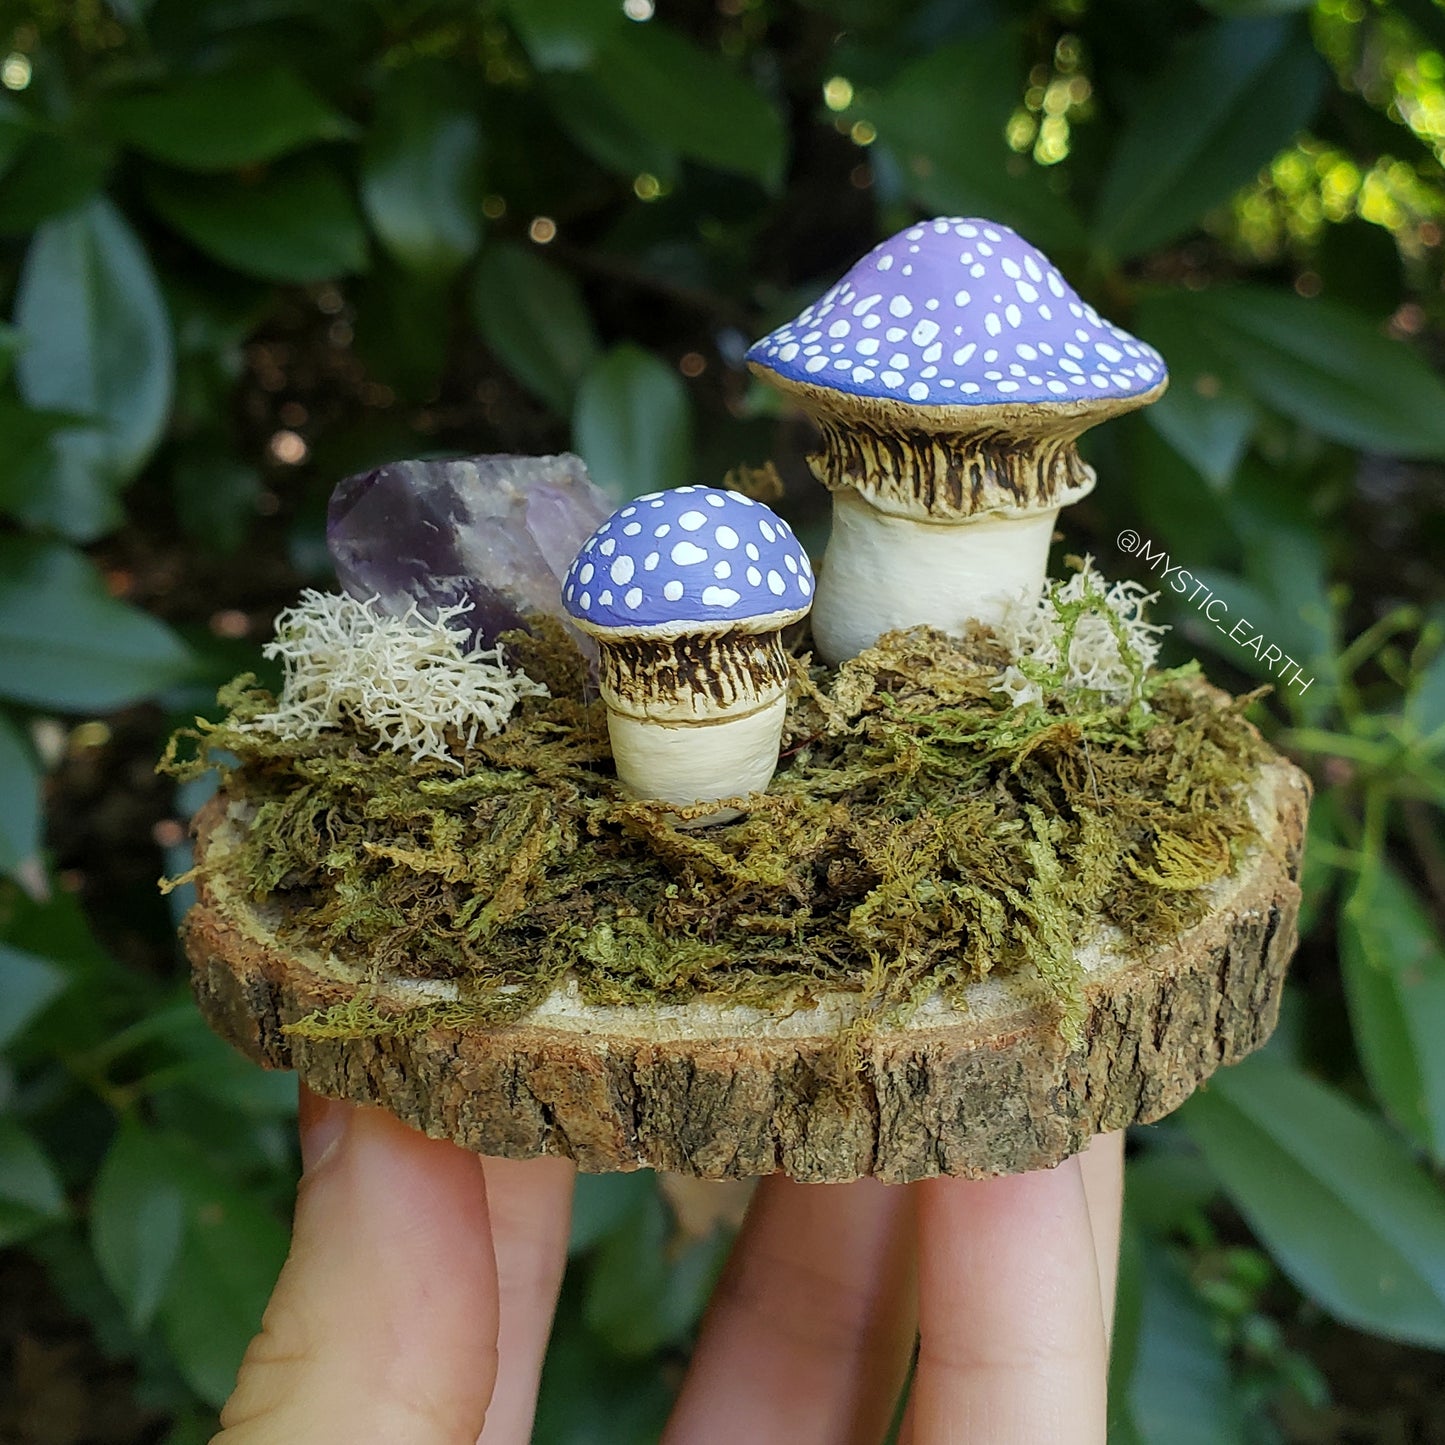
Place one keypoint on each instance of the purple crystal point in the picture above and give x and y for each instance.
(496, 531)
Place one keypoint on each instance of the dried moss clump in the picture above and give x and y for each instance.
(919, 835)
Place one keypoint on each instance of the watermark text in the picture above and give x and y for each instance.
(1215, 609)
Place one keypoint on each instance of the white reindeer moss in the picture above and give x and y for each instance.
(1084, 634)
(408, 679)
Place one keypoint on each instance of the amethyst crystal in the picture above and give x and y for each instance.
(495, 531)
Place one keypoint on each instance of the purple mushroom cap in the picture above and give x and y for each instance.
(959, 311)
(692, 555)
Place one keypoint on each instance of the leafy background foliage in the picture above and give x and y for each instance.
(252, 247)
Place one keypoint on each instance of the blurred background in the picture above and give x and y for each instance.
(250, 246)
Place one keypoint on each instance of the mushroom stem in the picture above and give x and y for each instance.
(884, 572)
(693, 719)
(686, 763)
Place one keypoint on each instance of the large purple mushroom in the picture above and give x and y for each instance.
(687, 593)
(951, 373)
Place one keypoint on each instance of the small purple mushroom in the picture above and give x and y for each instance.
(687, 593)
(951, 373)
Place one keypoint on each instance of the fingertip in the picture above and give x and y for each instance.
(1012, 1332)
(384, 1321)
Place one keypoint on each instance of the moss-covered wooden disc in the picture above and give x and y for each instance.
(956, 936)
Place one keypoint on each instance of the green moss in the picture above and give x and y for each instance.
(919, 835)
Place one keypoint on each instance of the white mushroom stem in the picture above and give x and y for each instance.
(883, 571)
(696, 717)
(686, 763)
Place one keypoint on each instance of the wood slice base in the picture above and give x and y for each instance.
(728, 1091)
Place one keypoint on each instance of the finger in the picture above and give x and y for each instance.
(383, 1325)
(1102, 1164)
(530, 1201)
(809, 1332)
(1011, 1348)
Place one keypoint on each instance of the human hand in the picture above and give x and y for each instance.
(416, 1302)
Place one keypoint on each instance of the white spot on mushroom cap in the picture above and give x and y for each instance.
(686, 554)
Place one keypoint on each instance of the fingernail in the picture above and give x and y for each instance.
(322, 1123)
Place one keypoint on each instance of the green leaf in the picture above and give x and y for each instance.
(1206, 415)
(421, 173)
(16, 127)
(1324, 366)
(1173, 507)
(29, 466)
(404, 322)
(222, 121)
(564, 34)
(595, 124)
(1170, 1188)
(1394, 975)
(137, 1221)
(945, 116)
(1231, 97)
(1257, 7)
(217, 1073)
(227, 1267)
(632, 424)
(12, 342)
(1124, 1342)
(295, 223)
(1360, 266)
(19, 819)
(589, 1396)
(601, 1202)
(693, 101)
(31, 1195)
(1179, 1390)
(639, 1299)
(98, 342)
(51, 174)
(66, 644)
(533, 316)
(28, 984)
(198, 1427)
(1319, 871)
(1264, 635)
(1339, 1203)
(1425, 706)
(1426, 17)
(215, 495)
